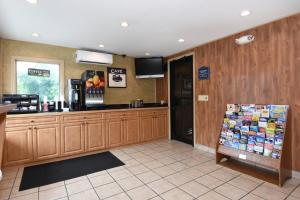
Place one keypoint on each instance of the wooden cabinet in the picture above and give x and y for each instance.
(46, 141)
(114, 132)
(146, 128)
(131, 128)
(18, 145)
(160, 126)
(95, 135)
(72, 138)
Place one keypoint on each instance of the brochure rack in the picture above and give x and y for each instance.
(255, 139)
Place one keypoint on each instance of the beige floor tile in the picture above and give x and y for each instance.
(108, 190)
(78, 186)
(130, 183)
(97, 174)
(114, 169)
(140, 193)
(130, 163)
(223, 175)
(212, 195)
(166, 160)
(177, 166)
(148, 177)
(288, 186)
(85, 195)
(208, 167)
(124, 157)
(157, 198)
(17, 182)
(54, 193)
(6, 184)
(244, 183)
(15, 192)
(161, 186)
(191, 173)
(230, 191)
(296, 192)
(176, 194)
(177, 179)
(251, 197)
(144, 159)
(20, 172)
(73, 180)
(292, 198)
(4, 194)
(268, 193)
(164, 171)
(194, 189)
(50, 186)
(101, 180)
(209, 181)
(120, 174)
(121, 196)
(138, 169)
(33, 196)
(191, 162)
(153, 164)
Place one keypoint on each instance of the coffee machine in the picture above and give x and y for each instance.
(92, 89)
(75, 97)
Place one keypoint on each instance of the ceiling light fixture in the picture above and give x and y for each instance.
(35, 34)
(124, 24)
(147, 54)
(245, 13)
(32, 1)
(181, 40)
(101, 45)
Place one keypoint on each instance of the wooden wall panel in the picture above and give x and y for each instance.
(264, 71)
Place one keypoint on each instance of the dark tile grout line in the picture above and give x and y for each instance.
(11, 189)
(290, 194)
(92, 187)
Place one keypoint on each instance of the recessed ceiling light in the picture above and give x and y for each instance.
(35, 34)
(101, 45)
(32, 1)
(124, 24)
(181, 40)
(147, 54)
(245, 13)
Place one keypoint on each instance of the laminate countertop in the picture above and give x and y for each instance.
(105, 108)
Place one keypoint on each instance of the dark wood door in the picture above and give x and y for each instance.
(181, 89)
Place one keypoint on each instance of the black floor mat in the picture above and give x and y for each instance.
(45, 174)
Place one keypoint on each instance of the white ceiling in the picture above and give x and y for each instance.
(154, 25)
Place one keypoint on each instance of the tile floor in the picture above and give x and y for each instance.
(156, 170)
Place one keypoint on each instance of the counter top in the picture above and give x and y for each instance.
(106, 108)
(4, 108)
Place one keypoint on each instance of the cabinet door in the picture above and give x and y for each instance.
(146, 128)
(114, 132)
(160, 126)
(72, 138)
(95, 135)
(46, 141)
(18, 145)
(131, 129)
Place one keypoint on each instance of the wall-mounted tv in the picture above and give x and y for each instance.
(149, 67)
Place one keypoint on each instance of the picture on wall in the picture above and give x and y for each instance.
(116, 77)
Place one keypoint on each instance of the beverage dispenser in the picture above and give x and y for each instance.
(74, 89)
(93, 89)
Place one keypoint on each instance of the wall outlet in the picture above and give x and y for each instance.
(202, 97)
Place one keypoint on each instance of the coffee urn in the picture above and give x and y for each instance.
(75, 97)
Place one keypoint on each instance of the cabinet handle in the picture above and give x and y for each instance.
(35, 128)
(32, 121)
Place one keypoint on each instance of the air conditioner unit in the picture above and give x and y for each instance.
(95, 58)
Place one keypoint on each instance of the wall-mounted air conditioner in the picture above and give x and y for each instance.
(95, 58)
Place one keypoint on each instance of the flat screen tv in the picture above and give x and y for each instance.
(149, 67)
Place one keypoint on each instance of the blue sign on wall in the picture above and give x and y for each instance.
(203, 73)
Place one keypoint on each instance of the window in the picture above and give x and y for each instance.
(42, 78)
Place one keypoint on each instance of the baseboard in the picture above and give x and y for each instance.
(295, 174)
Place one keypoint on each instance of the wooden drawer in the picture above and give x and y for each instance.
(153, 112)
(71, 118)
(21, 121)
(127, 114)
